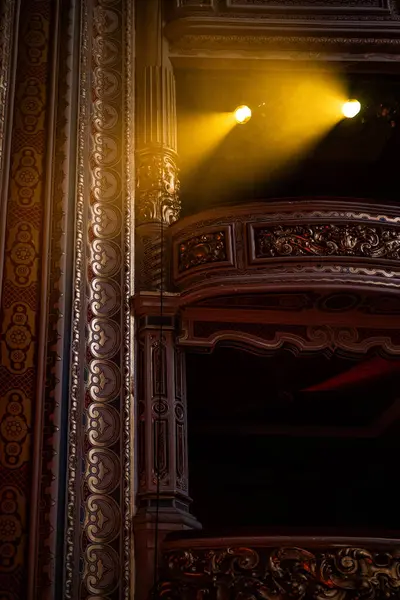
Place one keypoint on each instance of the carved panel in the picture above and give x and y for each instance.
(325, 239)
(244, 572)
(159, 364)
(209, 248)
(202, 249)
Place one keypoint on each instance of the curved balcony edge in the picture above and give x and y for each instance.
(286, 244)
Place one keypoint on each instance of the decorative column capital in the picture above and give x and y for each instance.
(157, 186)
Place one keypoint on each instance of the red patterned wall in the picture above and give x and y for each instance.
(21, 291)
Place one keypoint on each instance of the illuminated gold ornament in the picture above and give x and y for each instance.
(351, 108)
(242, 114)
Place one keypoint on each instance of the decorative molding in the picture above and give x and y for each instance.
(372, 7)
(192, 43)
(354, 30)
(336, 572)
(100, 477)
(129, 461)
(226, 11)
(270, 337)
(330, 302)
(72, 555)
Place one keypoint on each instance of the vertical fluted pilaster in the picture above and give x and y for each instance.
(157, 200)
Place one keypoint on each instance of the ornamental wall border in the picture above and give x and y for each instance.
(99, 547)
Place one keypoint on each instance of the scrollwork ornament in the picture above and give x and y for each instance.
(158, 187)
(265, 573)
(101, 569)
(101, 357)
(328, 239)
(103, 425)
(202, 249)
(102, 520)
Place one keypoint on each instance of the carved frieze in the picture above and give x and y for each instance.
(239, 573)
(327, 239)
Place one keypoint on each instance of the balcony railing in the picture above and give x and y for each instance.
(287, 244)
(281, 568)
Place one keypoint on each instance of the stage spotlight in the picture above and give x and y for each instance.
(351, 108)
(242, 114)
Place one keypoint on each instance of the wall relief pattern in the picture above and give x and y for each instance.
(99, 444)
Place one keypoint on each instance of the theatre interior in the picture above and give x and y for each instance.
(199, 299)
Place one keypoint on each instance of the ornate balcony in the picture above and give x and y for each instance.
(287, 244)
(281, 568)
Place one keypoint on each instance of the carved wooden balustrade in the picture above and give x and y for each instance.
(281, 568)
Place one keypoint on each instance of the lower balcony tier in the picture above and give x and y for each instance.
(280, 568)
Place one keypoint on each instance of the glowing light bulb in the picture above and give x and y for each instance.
(351, 108)
(242, 114)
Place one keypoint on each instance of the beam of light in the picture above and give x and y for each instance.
(299, 111)
(351, 108)
(201, 134)
(242, 114)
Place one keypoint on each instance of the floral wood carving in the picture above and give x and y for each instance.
(327, 240)
(158, 187)
(243, 573)
(202, 249)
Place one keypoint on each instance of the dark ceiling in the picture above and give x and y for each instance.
(358, 158)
